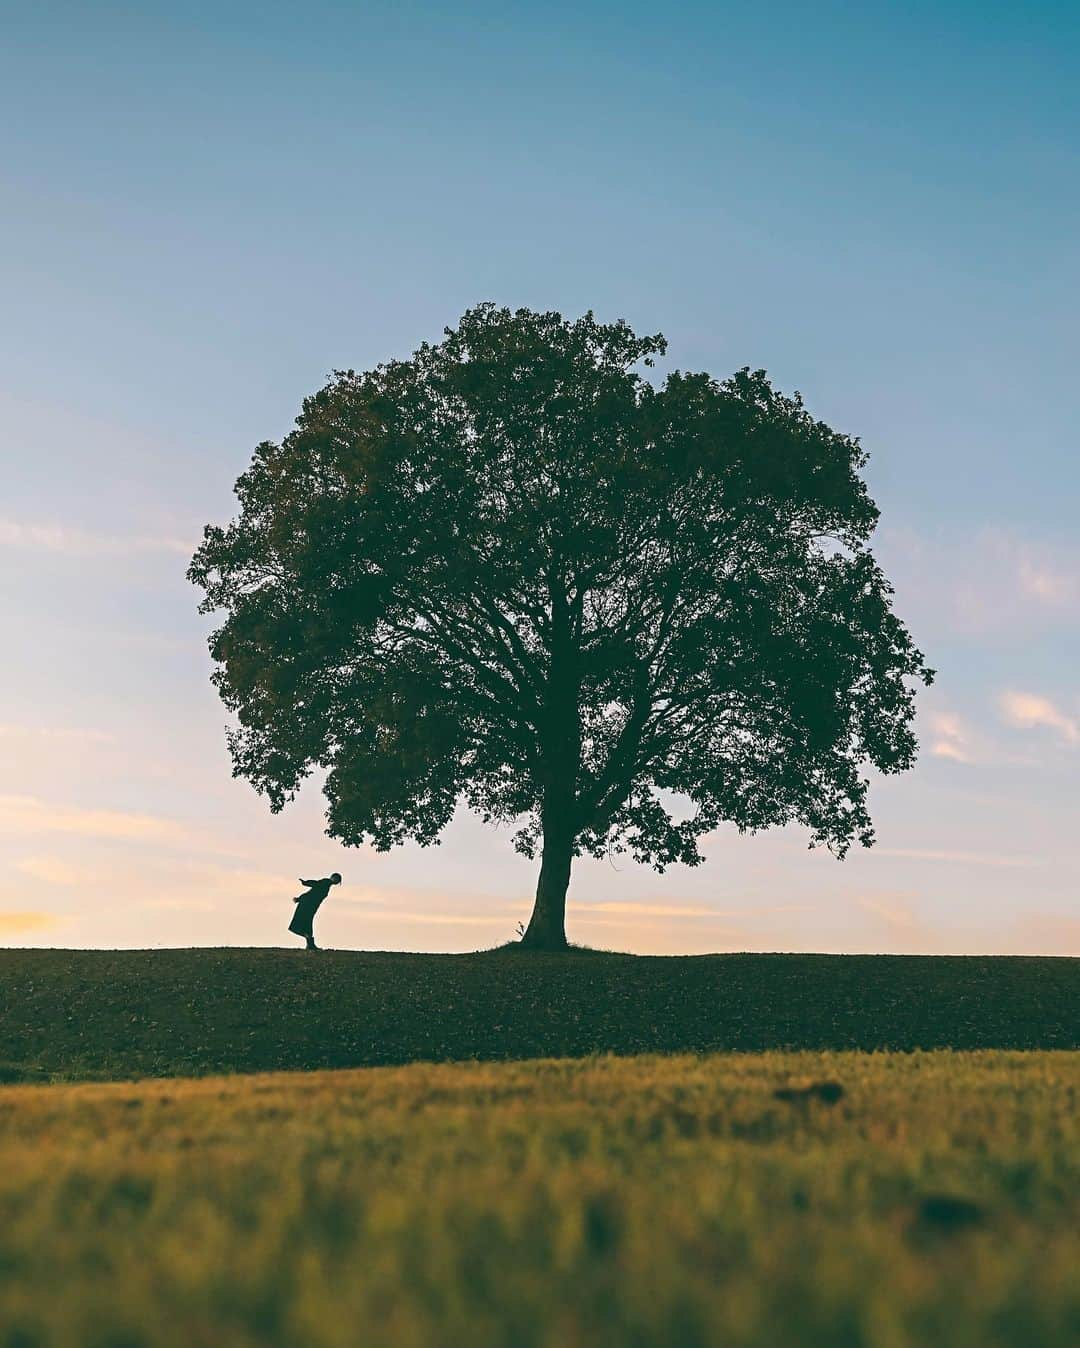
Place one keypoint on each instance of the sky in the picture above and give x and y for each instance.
(207, 208)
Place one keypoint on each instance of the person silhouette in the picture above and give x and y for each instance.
(307, 905)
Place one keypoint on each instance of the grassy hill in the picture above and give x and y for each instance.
(113, 1014)
(675, 1202)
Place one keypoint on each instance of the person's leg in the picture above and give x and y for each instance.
(310, 938)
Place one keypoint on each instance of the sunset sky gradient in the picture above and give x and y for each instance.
(208, 208)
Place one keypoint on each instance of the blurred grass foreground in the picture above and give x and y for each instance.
(773, 1200)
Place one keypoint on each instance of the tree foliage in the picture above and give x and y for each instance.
(516, 572)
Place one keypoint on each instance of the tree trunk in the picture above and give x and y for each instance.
(547, 926)
(560, 734)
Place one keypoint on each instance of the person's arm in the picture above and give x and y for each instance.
(309, 883)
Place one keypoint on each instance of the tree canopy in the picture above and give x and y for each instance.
(515, 571)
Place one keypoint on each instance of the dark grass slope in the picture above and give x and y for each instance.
(79, 1014)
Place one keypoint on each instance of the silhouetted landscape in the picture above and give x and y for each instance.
(593, 471)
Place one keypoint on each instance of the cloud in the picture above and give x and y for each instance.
(1045, 582)
(1007, 568)
(945, 734)
(632, 908)
(163, 882)
(29, 815)
(988, 583)
(417, 897)
(183, 903)
(60, 538)
(205, 886)
(52, 870)
(959, 858)
(441, 919)
(645, 910)
(904, 929)
(951, 738)
(69, 735)
(893, 913)
(13, 924)
(1029, 711)
(1046, 934)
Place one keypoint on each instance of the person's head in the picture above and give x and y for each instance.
(335, 879)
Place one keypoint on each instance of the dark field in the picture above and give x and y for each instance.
(100, 1014)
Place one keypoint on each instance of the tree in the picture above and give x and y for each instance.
(514, 572)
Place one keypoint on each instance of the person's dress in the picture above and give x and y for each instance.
(307, 905)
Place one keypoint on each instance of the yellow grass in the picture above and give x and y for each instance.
(601, 1202)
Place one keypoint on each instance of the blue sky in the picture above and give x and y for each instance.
(208, 208)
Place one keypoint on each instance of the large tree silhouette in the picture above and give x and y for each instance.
(513, 572)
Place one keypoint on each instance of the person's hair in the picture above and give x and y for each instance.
(336, 878)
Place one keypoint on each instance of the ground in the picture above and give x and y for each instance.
(72, 1015)
(886, 1200)
(765, 1198)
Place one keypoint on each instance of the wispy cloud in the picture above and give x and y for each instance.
(31, 815)
(1030, 711)
(219, 888)
(634, 908)
(1008, 567)
(989, 583)
(14, 924)
(631, 909)
(894, 913)
(185, 903)
(960, 739)
(903, 928)
(74, 541)
(53, 871)
(1046, 580)
(1046, 934)
(67, 735)
(203, 885)
(425, 900)
(439, 919)
(951, 738)
(957, 858)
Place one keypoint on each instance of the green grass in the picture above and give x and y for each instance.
(635, 1203)
(105, 1014)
